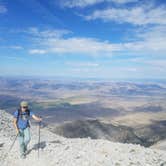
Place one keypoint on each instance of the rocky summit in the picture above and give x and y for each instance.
(56, 150)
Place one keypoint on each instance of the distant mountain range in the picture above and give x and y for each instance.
(45, 87)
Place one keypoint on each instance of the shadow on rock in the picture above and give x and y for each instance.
(42, 145)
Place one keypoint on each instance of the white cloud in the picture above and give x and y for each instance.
(150, 40)
(3, 9)
(89, 71)
(80, 3)
(84, 3)
(140, 15)
(37, 51)
(123, 1)
(157, 63)
(50, 42)
(154, 32)
(83, 64)
(80, 45)
(49, 33)
(16, 47)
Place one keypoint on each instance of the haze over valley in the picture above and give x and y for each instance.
(133, 112)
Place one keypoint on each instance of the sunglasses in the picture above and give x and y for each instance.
(24, 107)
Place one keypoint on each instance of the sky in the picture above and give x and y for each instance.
(112, 39)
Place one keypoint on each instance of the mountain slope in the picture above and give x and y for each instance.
(160, 145)
(98, 129)
(59, 151)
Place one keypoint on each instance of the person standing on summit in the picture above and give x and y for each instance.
(22, 126)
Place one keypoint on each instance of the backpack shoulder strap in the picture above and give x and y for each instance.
(18, 114)
(28, 112)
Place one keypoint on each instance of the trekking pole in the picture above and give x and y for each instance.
(7, 153)
(39, 138)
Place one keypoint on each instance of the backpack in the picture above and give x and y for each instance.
(28, 113)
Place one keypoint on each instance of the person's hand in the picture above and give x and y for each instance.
(19, 133)
(40, 119)
(37, 118)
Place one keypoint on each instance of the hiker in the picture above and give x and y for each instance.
(21, 123)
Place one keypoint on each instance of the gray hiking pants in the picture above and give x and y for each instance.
(24, 138)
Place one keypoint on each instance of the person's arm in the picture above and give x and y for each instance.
(36, 118)
(15, 125)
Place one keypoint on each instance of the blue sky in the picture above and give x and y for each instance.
(114, 39)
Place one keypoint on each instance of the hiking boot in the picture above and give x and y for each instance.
(25, 149)
(23, 156)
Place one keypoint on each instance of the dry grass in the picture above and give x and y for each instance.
(139, 119)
